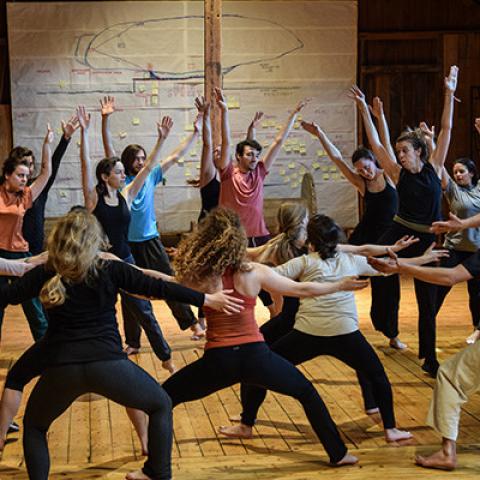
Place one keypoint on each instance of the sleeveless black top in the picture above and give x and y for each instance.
(115, 222)
(209, 194)
(420, 195)
(380, 207)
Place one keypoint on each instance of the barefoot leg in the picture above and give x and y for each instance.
(346, 460)
(8, 409)
(236, 431)
(137, 475)
(140, 421)
(444, 459)
(396, 435)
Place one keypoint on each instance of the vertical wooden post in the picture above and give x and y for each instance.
(213, 58)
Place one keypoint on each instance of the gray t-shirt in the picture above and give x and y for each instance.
(464, 202)
(332, 314)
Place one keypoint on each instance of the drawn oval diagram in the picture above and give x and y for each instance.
(157, 46)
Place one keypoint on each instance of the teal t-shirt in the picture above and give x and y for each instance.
(143, 224)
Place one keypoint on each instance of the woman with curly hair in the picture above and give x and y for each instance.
(212, 258)
(82, 350)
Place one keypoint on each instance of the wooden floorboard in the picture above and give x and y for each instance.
(93, 439)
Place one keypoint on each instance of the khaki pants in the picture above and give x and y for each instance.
(457, 379)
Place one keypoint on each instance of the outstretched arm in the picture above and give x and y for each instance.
(368, 250)
(107, 107)
(455, 224)
(46, 169)
(274, 149)
(132, 189)
(335, 156)
(376, 109)
(207, 167)
(185, 146)
(252, 128)
(88, 178)
(224, 160)
(385, 158)
(437, 159)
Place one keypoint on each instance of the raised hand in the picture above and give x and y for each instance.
(451, 80)
(357, 96)
(69, 127)
(428, 132)
(477, 124)
(404, 242)
(384, 265)
(376, 109)
(352, 283)
(83, 117)
(164, 127)
(453, 224)
(299, 107)
(49, 136)
(107, 105)
(220, 99)
(430, 255)
(311, 127)
(201, 104)
(256, 119)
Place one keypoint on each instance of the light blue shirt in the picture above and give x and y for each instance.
(143, 224)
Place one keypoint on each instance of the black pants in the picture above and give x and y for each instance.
(456, 257)
(119, 380)
(135, 312)
(385, 315)
(256, 364)
(151, 254)
(351, 349)
(257, 242)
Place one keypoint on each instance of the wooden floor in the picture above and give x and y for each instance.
(94, 440)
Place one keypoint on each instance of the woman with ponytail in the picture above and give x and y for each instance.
(417, 176)
(82, 350)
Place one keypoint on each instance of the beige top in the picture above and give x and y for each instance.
(335, 313)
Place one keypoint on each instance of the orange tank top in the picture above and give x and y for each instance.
(229, 330)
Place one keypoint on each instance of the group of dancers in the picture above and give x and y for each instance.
(111, 246)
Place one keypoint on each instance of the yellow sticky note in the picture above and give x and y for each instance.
(188, 173)
(294, 176)
(59, 131)
(282, 171)
(135, 121)
(181, 160)
(335, 176)
(302, 171)
(286, 179)
(78, 143)
(288, 149)
(296, 148)
(154, 100)
(326, 176)
(294, 141)
(197, 166)
(62, 83)
(315, 165)
(291, 165)
(265, 125)
(122, 135)
(325, 168)
(299, 118)
(189, 127)
(294, 185)
(296, 125)
(141, 88)
(321, 153)
(154, 91)
(303, 151)
(333, 168)
(154, 84)
(193, 153)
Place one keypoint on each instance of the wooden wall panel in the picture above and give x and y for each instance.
(5, 132)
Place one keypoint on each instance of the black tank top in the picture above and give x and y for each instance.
(209, 194)
(115, 222)
(420, 195)
(380, 207)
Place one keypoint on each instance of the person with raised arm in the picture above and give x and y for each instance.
(16, 197)
(241, 187)
(417, 176)
(34, 220)
(143, 236)
(106, 198)
(380, 199)
(458, 378)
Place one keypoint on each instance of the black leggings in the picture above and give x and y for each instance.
(256, 364)
(119, 380)
(385, 314)
(351, 349)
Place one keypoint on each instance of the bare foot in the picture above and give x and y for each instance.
(235, 418)
(439, 460)
(131, 350)
(137, 475)
(198, 331)
(236, 431)
(346, 460)
(396, 435)
(473, 337)
(170, 366)
(397, 344)
(372, 411)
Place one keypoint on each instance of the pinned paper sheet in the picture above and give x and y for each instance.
(291, 165)
(193, 153)
(59, 131)
(303, 151)
(288, 149)
(302, 171)
(335, 176)
(295, 185)
(62, 83)
(333, 168)
(320, 153)
(326, 176)
(296, 125)
(135, 121)
(181, 160)
(154, 84)
(141, 88)
(189, 127)
(282, 171)
(197, 165)
(294, 175)
(154, 91)
(154, 100)
(188, 172)
(315, 165)
(324, 168)
(122, 135)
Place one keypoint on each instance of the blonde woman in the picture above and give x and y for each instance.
(82, 349)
